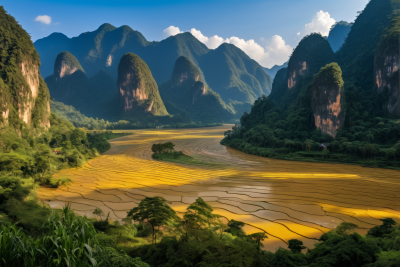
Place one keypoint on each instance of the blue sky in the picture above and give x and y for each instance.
(275, 26)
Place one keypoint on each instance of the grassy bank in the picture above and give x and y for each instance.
(325, 156)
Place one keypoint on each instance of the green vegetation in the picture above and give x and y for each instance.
(17, 52)
(188, 90)
(153, 235)
(167, 152)
(67, 62)
(282, 125)
(70, 85)
(132, 67)
(179, 120)
(200, 238)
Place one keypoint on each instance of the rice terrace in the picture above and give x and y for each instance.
(219, 133)
(286, 199)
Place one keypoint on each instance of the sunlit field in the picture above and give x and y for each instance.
(285, 199)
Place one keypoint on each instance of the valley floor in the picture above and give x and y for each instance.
(286, 199)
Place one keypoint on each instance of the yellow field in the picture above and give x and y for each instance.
(285, 199)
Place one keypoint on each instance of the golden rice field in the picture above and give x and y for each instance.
(285, 199)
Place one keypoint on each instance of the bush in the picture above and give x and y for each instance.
(143, 230)
(62, 181)
(11, 187)
(110, 257)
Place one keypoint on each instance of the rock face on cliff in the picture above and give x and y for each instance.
(312, 53)
(66, 64)
(70, 85)
(328, 103)
(188, 90)
(24, 97)
(386, 72)
(138, 91)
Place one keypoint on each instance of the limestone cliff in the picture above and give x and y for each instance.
(24, 95)
(312, 53)
(138, 91)
(386, 73)
(328, 103)
(70, 85)
(65, 65)
(188, 90)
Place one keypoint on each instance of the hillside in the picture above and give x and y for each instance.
(138, 91)
(188, 90)
(338, 34)
(23, 93)
(70, 85)
(351, 105)
(104, 47)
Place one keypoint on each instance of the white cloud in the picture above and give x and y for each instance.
(170, 31)
(43, 19)
(321, 23)
(211, 42)
(276, 52)
(56, 23)
(298, 33)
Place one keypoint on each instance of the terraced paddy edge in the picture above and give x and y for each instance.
(285, 199)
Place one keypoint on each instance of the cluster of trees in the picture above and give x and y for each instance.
(179, 120)
(166, 151)
(154, 235)
(199, 237)
(29, 160)
(283, 122)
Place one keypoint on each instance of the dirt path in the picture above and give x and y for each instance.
(283, 198)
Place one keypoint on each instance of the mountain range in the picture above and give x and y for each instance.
(227, 69)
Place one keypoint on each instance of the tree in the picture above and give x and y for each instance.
(289, 143)
(345, 228)
(388, 222)
(296, 245)
(235, 228)
(390, 153)
(259, 237)
(307, 144)
(98, 212)
(370, 137)
(198, 215)
(155, 212)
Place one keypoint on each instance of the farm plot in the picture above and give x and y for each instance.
(285, 199)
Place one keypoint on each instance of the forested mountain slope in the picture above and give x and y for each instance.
(70, 85)
(351, 104)
(188, 90)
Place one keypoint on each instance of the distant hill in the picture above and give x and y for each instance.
(188, 90)
(228, 70)
(70, 85)
(338, 34)
(272, 71)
